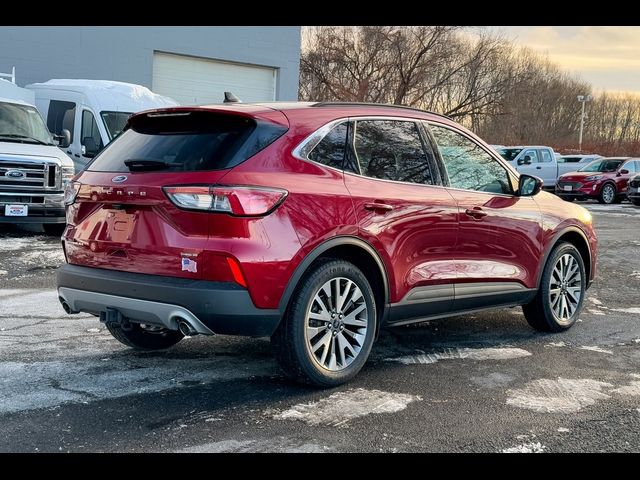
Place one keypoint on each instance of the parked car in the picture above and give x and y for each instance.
(33, 170)
(633, 190)
(315, 224)
(534, 160)
(93, 111)
(604, 180)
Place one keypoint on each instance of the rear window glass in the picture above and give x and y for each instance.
(185, 142)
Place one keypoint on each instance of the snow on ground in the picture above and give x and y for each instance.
(596, 349)
(492, 353)
(526, 448)
(558, 396)
(340, 408)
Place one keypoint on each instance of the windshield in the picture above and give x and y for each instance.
(509, 153)
(602, 166)
(114, 122)
(22, 123)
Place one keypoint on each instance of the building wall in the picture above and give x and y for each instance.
(126, 53)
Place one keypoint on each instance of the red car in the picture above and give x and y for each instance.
(605, 179)
(315, 224)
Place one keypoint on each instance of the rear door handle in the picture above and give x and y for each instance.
(378, 207)
(475, 212)
(76, 155)
(538, 167)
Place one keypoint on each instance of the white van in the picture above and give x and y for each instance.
(93, 111)
(33, 170)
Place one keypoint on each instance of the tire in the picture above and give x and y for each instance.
(635, 202)
(146, 338)
(568, 199)
(608, 194)
(341, 348)
(54, 229)
(540, 312)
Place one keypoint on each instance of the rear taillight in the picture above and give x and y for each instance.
(71, 192)
(235, 200)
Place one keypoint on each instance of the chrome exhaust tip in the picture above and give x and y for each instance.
(186, 329)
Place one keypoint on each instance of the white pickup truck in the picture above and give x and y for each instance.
(539, 161)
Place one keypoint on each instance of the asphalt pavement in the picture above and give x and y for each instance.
(484, 382)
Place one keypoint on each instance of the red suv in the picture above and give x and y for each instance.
(605, 180)
(315, 224)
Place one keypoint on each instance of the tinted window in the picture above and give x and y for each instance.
(631, 166)
(546, 156)
(330, 150)
(392, 150)
(62, 115)
(90, 137)
(469, 166)
(189, 141)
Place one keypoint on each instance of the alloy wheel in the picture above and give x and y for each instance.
(565, 288)
(608, 193)
(336, 324)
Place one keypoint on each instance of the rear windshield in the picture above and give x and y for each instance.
(185, 142)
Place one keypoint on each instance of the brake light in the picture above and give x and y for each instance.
(236, 200)
(71, 192)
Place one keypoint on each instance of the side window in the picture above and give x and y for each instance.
(392, 150)
(62, 115)
(469, 167)
(533, 155)
(330, 150)
(90, 137)
(546, 156)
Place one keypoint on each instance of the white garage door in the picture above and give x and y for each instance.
(199, 81)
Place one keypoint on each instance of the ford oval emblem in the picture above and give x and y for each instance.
(17, 174)
(119, 179)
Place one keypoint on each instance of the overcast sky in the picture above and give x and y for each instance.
(607, 57)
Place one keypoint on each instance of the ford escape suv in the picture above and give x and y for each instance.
(314, 224)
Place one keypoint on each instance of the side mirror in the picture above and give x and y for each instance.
(89, 147)
(528, 186)
(525, 161)
(624, 171)
(64, 140)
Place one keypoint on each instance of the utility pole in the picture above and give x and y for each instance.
(582, 99)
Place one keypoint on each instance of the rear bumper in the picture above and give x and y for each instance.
(210, 307)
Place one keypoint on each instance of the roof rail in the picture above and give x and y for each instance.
(370, 104)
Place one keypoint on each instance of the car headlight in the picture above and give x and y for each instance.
(593, 177)
(67, 175)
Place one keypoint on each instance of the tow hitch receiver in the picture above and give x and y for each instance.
(113, 316)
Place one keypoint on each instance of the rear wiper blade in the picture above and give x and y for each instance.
(24, 137)
(139, 165)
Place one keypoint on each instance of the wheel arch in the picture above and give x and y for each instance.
(576, 237)
(354, 250)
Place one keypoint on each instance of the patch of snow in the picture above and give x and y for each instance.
(595, 301)
(632, 389)
(491, 353)
(558, 396)
(563, 430)
(526, 448)
(556, 344)
(3, 272)
(340, 408)
(635, 274)
(595, 348)
(634, 310)
(280, 445)
(93, 330)
(595, 312)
